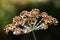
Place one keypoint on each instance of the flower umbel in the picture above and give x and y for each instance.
(29, 21)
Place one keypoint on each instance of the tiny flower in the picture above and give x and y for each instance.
(22, 21)
(29, 14)
(35, 13)
(48, 19)
(44, 26)
(55, 22)
(9, 27)
(16, 19)
(6, 30)
(26, 14)
(26, 29)
(23, 13)
(44, 14)
(16, 23)
(30, 20)
(17, 31)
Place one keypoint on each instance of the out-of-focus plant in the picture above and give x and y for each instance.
(25, 2)
(19, 2)
(7, 10)
(30, 21)
(57, 3)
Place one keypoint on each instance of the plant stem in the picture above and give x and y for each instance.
(34, 35)
(33, 32)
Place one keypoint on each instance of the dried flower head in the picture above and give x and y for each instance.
(44, 26)
(17, 31)
(29, 22)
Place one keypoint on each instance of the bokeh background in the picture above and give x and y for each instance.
(11, 8)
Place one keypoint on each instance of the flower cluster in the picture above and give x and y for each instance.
(29, 21)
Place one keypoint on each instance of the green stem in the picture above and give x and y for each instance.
(33, 32)
(34, 35)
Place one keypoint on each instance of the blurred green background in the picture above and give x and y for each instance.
(11, 8)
